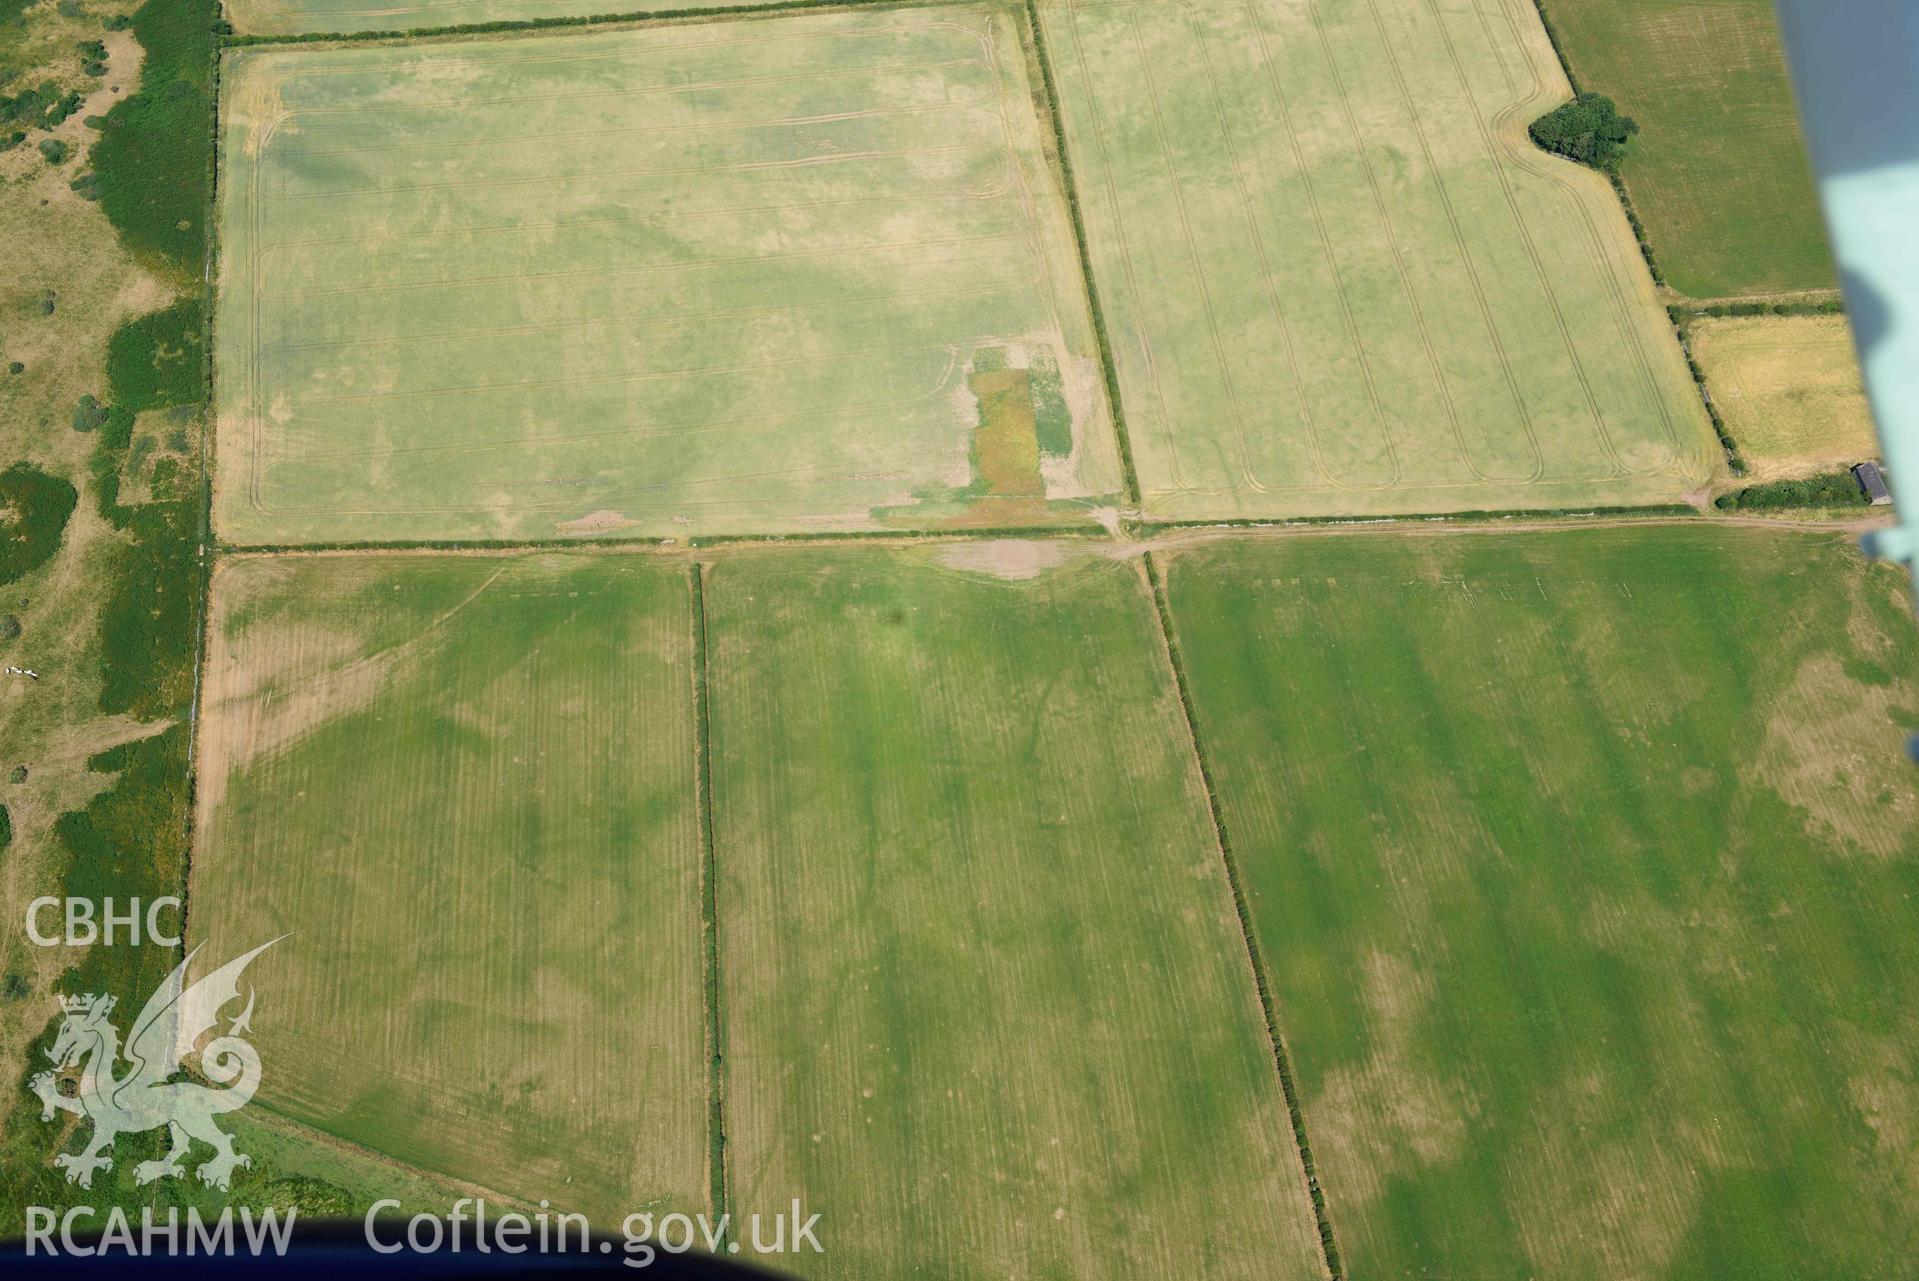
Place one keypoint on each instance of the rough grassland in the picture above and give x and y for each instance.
(1339, 279)
(1585, 865)
(1789, 390)
(988, 1008)
(726, 277)
(1719, 174)
(465, 786)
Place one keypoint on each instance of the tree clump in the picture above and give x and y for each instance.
(1589, 129)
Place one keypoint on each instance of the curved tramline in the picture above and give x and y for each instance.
(1338, 278)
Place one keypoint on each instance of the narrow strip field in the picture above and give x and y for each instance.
(1587, 869)
(989, 1011)
(310, 17)
(1339, 279)
(1719, 174)
(807, 272)
(464, 788)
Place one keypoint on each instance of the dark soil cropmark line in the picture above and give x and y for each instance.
(709, 907)
(1268, 1004)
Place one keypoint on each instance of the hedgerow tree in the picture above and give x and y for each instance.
(1588, 129)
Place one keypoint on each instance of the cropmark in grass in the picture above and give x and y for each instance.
(1586, 865)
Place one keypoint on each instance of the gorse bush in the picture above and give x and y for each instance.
(89, 414)
(34, 507)
(1589, 129)
(39, 108)
(159, 359)
(155, 154)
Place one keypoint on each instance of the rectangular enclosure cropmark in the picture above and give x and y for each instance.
(801, 273)
(1337, 276)
(989, 1010)
(465, 786)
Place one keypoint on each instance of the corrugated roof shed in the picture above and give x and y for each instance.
(1871, 483)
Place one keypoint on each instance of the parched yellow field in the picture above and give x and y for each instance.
(463, 787)
(1337, 276)
(806, 272)
(1789, 390)
(306, 17)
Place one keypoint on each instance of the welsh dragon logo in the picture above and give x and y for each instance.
(148, 1095)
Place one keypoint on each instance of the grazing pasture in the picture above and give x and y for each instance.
(1339, 279)
(1585, 866)
(1719, 174)
(463, 787)
(988, 1008)
(806, 272)
(1789, 390)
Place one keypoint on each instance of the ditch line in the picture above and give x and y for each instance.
(206, 547)
(1048, 97)
(1268, 1004)
(718, 1188)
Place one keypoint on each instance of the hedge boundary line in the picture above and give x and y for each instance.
(231, 39)
(203, 553)
(719, 1188)
(1133, 529)
(1618, 186)
(1650, 511)
(1827, 491)
(1735, 461)
(1268, 1003)
(658, 543)
(1755, 307)
(1070, 188)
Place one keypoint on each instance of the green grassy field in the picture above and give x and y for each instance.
(464, 785)
(1586, 869)
(987, 1005)
(728, 277)
(1339, 279)
(1719, 175)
